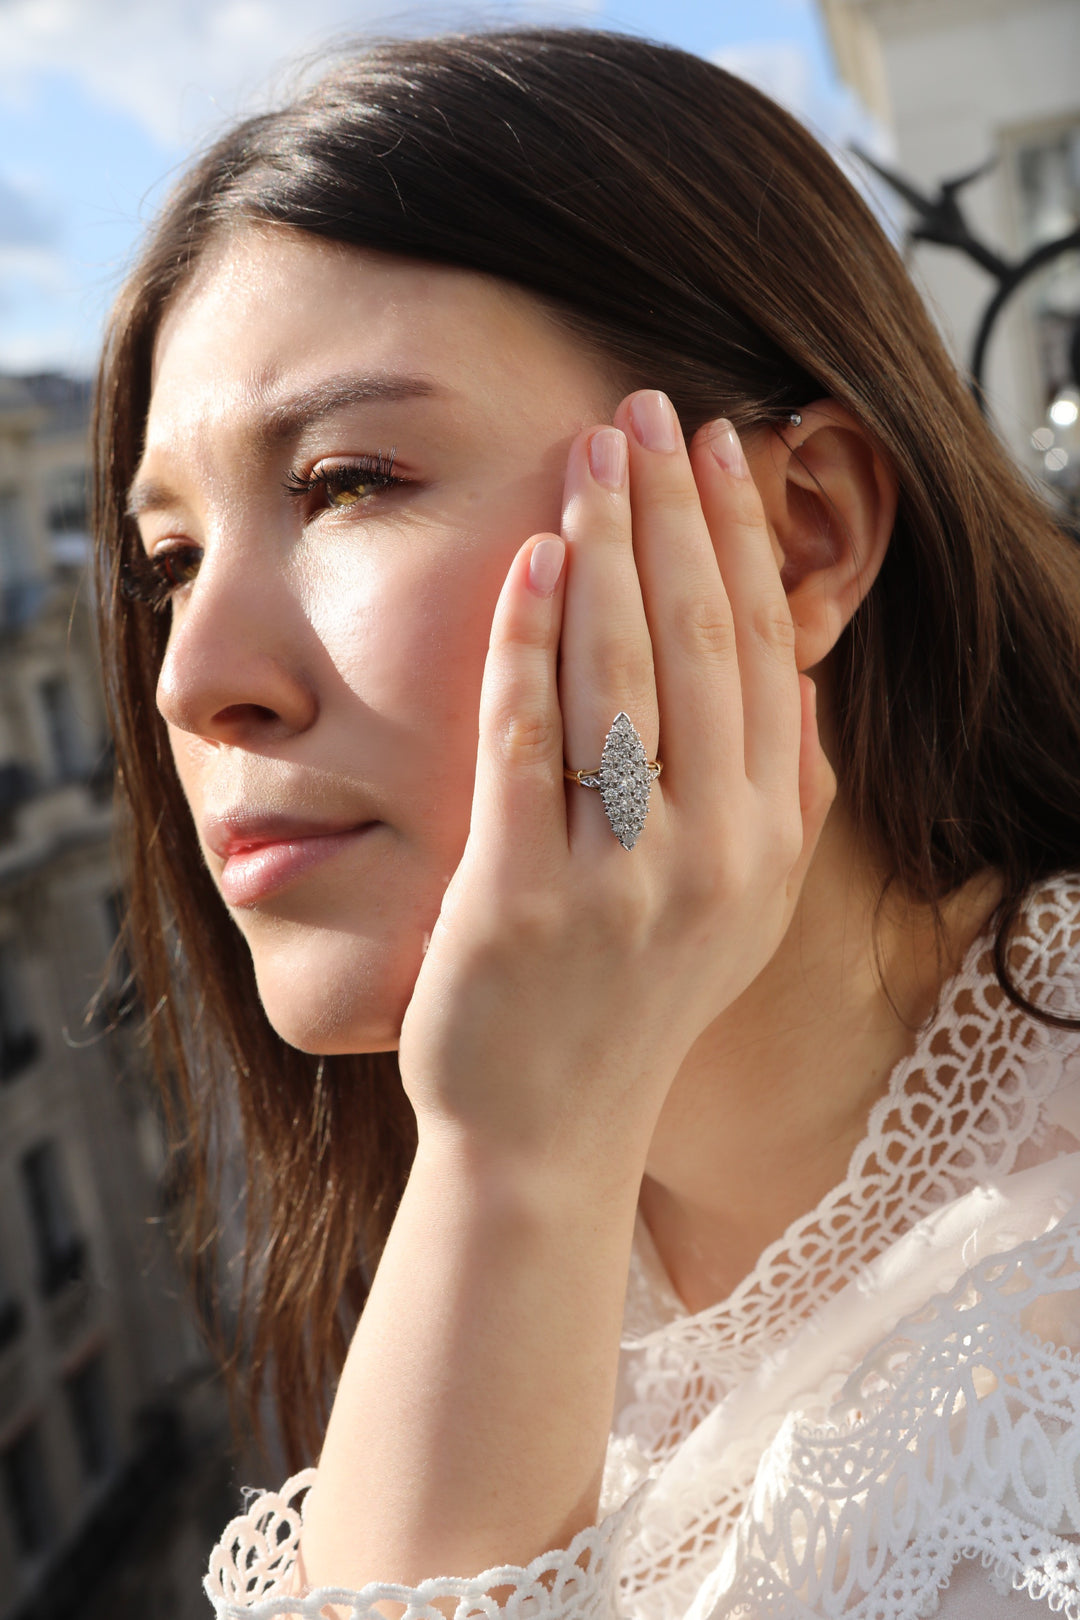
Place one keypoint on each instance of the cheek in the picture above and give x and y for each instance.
(193, 758)
(410, 641)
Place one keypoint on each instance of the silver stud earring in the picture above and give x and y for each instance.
(795, 419)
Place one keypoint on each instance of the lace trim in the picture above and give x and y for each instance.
(258, 1551)
(1017, 1559)
(957, 1111)
(959, 1436)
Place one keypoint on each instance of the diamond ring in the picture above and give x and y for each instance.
(624, 777)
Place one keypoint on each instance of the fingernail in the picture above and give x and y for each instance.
(607, 458)
(723, 441)
(652, 417)
(545, 565)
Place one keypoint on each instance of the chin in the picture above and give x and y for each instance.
(336, 995)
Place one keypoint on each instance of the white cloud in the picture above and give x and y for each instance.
(41, 322)
(181, 67)
(41, 268)
(61, 346)
(172, 66)
(23, 222)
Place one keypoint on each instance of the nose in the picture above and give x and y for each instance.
(234, 669)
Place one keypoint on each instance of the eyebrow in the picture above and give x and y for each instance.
(284, 419)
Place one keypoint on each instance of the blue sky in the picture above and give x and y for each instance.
(100, 101)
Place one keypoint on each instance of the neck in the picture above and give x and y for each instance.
(773, 1098)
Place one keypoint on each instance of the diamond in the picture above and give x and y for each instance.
(624, 780)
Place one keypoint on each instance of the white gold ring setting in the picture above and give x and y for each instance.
(624, 778)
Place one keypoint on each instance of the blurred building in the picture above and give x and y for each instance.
(961, 83)
(103, 1379)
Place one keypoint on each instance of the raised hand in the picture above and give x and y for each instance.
(567, 978)
(565, 981)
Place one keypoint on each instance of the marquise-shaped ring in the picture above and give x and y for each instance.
(624, 777)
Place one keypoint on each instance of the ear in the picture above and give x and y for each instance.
(830, 502)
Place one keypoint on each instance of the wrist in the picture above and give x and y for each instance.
(528, 1183)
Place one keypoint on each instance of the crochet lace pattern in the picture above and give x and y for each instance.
(965, 1438)
(259, 1548)
(866, 1519)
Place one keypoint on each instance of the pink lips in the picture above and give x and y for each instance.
(261, 855)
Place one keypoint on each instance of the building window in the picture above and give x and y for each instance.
(88, 1402)
(67, 501)
(67, 518)
(66, 743)
(27, 1493)
(60, 1249)
(15, 561)
(21, 591)
(11, 1316)
(19, 1043)
(17, 784)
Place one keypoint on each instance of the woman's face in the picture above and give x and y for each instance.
(322, 678)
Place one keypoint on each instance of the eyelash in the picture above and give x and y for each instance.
(152, 580)
(376, 471)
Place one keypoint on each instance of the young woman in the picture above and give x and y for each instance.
(598, 718)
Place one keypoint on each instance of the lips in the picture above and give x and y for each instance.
(263, 854)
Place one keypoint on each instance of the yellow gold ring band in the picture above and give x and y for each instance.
(624, 776)
(654, 767)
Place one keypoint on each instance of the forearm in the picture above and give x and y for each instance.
(472, 1414)
(471, 1418)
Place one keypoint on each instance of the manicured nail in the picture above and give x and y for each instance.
(723, 441)
(652, 417)
(607, 458)
(545, 564)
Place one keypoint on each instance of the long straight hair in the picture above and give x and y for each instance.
(701, 241)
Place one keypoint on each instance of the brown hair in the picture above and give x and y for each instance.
(699, 237)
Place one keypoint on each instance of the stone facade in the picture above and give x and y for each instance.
(106, 1398)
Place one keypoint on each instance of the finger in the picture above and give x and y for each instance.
(519, 806)
(689, 616)
(764, 632)
(606, 662)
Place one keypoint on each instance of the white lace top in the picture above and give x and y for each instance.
(883, 1420)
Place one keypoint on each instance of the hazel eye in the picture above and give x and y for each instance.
(348, 483)
(177, 566)
(348, 495)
